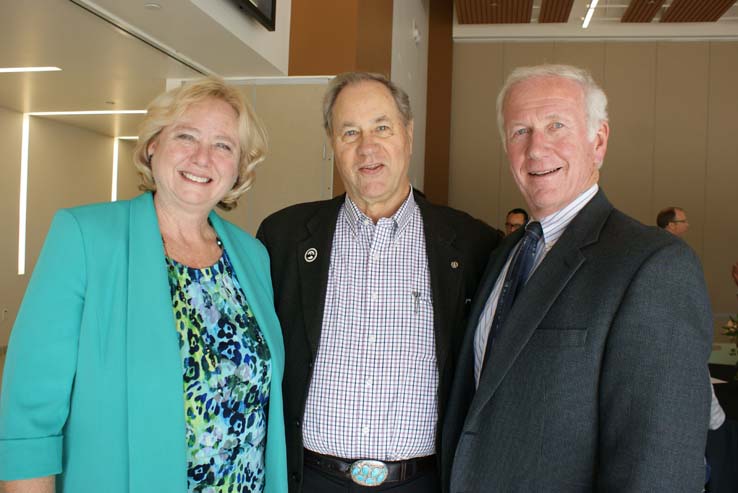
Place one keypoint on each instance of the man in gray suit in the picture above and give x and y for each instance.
(593, 375)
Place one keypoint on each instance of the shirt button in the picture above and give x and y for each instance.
(375, 296)
(375, 256)
(372, 339)
(368, 383)
(365, 430)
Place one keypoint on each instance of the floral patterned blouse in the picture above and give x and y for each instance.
(227, 373)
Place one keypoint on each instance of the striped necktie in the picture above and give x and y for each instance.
(515, 279)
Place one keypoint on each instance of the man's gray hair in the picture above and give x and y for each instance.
(594, 97)
(341, 81)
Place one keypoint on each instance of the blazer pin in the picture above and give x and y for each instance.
(311, 254)
(454, 264)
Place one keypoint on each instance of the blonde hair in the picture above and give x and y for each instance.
(169, 106)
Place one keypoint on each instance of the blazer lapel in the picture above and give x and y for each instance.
(156, 427)
(313, 260)
(539, 294)
(465, 370)
(259, 300)
(445, 267)
(494, 266)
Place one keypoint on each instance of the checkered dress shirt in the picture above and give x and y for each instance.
(373, 393)
(553, 227)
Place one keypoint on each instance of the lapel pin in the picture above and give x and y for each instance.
(311, 254)
(454, 264)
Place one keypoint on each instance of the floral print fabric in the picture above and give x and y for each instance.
(227, 374)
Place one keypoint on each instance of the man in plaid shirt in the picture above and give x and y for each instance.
(372, 290)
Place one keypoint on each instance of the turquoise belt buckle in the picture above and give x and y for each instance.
(368, 472)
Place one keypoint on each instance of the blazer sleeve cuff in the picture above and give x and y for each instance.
(27, 458)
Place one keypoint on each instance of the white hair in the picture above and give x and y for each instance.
(594, 97)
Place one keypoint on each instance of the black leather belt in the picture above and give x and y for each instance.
(371, 472)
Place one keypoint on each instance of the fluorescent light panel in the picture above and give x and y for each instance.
(23, 192)
(114, 189)
(11, 70)
(100, 112)
(116, 148)
(23, 196)
(590, 13)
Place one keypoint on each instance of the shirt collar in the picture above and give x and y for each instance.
(400, 219)
(555, 224)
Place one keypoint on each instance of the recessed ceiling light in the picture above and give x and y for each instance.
(590, 13)
(8, 70)
(152, 6)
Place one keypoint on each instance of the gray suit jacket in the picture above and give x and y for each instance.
(598, 379)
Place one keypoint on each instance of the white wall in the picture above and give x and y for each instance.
(274, 46)
(11, 285)
(410, 70)
(67, 166)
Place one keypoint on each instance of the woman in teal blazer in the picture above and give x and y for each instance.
(95, 387)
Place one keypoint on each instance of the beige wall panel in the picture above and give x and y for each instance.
(586, 55)
(680, 136)
(721, 211)
(128, 179)
(67, 167)
(11, 284)
(627, 174)
(520, 54)
(295, 169)
(474, 170)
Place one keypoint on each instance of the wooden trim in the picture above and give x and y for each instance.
(438, 109)
(323, 36)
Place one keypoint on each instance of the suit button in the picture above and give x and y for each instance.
(297, 423)
(295, 477)
(310, 365)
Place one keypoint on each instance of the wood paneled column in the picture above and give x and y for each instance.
(438, 119)
(328, 37)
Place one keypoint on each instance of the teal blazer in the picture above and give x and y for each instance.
(92, 389)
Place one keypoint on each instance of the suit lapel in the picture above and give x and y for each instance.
(539, 294)
(313, 260)
(446, 269)
(465, 372)
(155, 400)
(258, 297)
(491, 273)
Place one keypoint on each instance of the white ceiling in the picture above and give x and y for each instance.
(605, 24)
(107, 68)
